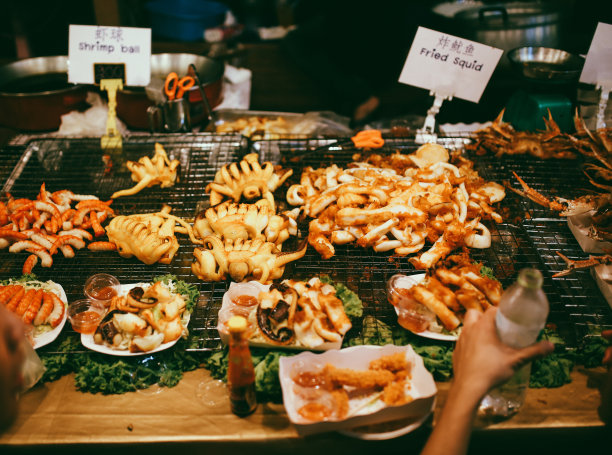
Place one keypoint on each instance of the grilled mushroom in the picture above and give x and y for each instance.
(135, 298)
(107, 332)
(275, 322)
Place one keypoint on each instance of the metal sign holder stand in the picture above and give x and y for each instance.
(603, 103)
(427, 133)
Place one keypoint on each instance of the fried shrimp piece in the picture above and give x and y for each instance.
(394, 362)
(395, 393)
(360, 379)
(341, 400)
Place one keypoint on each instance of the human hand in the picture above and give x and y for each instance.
(481, 361)
(12, 337)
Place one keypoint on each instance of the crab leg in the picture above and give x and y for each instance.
(536, 197)
(583, 264)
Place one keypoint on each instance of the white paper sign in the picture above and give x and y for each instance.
(97, 44)
(449, 65)
(598, 65)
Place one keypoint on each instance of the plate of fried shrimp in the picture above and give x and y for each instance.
(353, 387)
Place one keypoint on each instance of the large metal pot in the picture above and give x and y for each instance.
(132, 102)
(511, 25)
(35, 93)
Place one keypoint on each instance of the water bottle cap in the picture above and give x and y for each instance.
(530, 278)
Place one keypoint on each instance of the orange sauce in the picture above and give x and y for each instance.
(86, 322)
(309, 379)
(105, 293)
(315, 412)
(245, 300)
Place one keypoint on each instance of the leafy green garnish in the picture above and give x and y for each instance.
(265, 362)
(353, 306)
(182, 288)
(98, 373)
(552, 371)
(22, 279)
(487, 272)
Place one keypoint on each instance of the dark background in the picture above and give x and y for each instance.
(367, 40)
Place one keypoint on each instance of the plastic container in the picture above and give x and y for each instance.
(521, 316)
(85, 315)
(412, 315)
(101, 288)
(185, 20)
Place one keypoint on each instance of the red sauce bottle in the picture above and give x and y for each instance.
(240, 372)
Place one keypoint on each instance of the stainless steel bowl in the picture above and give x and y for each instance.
(545, 63)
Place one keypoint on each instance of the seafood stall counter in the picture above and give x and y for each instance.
(166, 193)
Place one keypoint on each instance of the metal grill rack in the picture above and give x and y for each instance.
(562, 178)
(577, 296)
(514, 245)
(77, 165)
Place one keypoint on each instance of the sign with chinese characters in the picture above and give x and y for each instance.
(598, 65)
(95, 51)
(448, 65)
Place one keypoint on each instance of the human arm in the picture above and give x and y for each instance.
(11, 360)
(480, 362)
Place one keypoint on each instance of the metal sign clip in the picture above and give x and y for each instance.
(427, 133)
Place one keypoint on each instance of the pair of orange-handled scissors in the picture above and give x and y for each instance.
(175, 88)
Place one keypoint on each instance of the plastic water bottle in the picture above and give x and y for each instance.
(521, 316)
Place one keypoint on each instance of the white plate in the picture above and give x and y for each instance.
(388, 430)
(253, 288)
(47, 337)
(422, 388)
(416, 279)
(89, 343)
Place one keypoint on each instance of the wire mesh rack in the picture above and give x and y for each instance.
(577, 295)
(513, 248)
(81, 166)
(551, 178)
(522, 241)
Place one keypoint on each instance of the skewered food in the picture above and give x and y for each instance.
(375, 206)
(143, 318)
(150, 237)
(292, 313)
(232, 221)
(247, 179)
(146, 172)
(241, 260)
(49, 223)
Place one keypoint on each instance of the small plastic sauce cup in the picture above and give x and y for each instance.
(101, 288)
(85, 315)
(411, 314)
